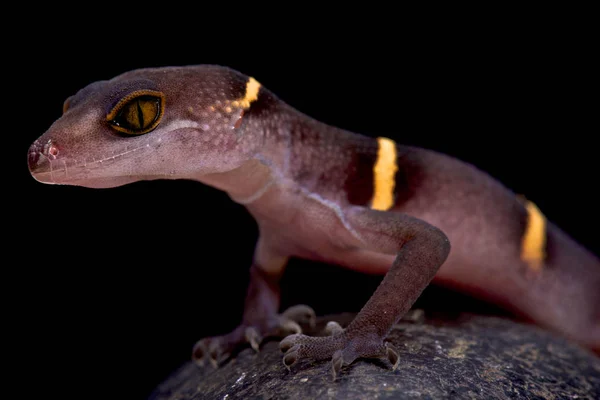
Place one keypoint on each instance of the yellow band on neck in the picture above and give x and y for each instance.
(252, 88)
(533, 244)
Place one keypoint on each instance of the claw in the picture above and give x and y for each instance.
(290, 357)
(215, 353)
(253, 337)
(337, 361)
(291, 350)
(213, 362)
(392, 355)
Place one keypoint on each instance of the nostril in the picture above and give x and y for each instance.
(52, 151)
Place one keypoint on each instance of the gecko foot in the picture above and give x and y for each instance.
(341, 347)
(218, 349)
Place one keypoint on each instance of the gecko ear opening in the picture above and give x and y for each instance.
(138, 112)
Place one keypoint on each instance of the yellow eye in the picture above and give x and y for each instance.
(137, 113)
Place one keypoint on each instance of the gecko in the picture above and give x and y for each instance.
(323, 193)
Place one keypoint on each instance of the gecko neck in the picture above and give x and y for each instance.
(291, 145)
(245, 183)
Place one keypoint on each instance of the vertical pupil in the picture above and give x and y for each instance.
(140, 113)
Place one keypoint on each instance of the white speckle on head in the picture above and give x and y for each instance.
(205, 127)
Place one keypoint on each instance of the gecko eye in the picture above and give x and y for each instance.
(137, 113)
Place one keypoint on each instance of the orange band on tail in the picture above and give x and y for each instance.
(533, 244)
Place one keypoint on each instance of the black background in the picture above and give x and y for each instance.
(109, 289)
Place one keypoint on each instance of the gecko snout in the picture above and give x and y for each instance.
(39, 160)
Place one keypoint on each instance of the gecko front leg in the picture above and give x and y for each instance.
(260, 318)
(421, 249)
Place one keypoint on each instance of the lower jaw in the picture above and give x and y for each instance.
(95, 183)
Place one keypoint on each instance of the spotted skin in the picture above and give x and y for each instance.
(323, 193)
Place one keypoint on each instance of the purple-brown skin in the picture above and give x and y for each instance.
(309, 186)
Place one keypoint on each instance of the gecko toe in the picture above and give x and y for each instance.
(216, 353)
(289, 326)
(392, 355)
(207, 349)
(199, 352)
(253, 337)
(288, 342)
(333, 328)
(299, 346)
(211, 350)
(291, 356)
(302, 314)
(341, 347)
(218, 349)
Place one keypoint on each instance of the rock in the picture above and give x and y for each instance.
(470, 356)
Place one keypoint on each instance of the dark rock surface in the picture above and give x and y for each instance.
(470, 356)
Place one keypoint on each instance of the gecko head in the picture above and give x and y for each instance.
(172, 122)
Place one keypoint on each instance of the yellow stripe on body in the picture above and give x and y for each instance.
(533, 243)
(384, 175)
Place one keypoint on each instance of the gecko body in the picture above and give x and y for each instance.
(326, 194)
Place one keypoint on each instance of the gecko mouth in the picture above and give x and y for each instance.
(46, 166)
